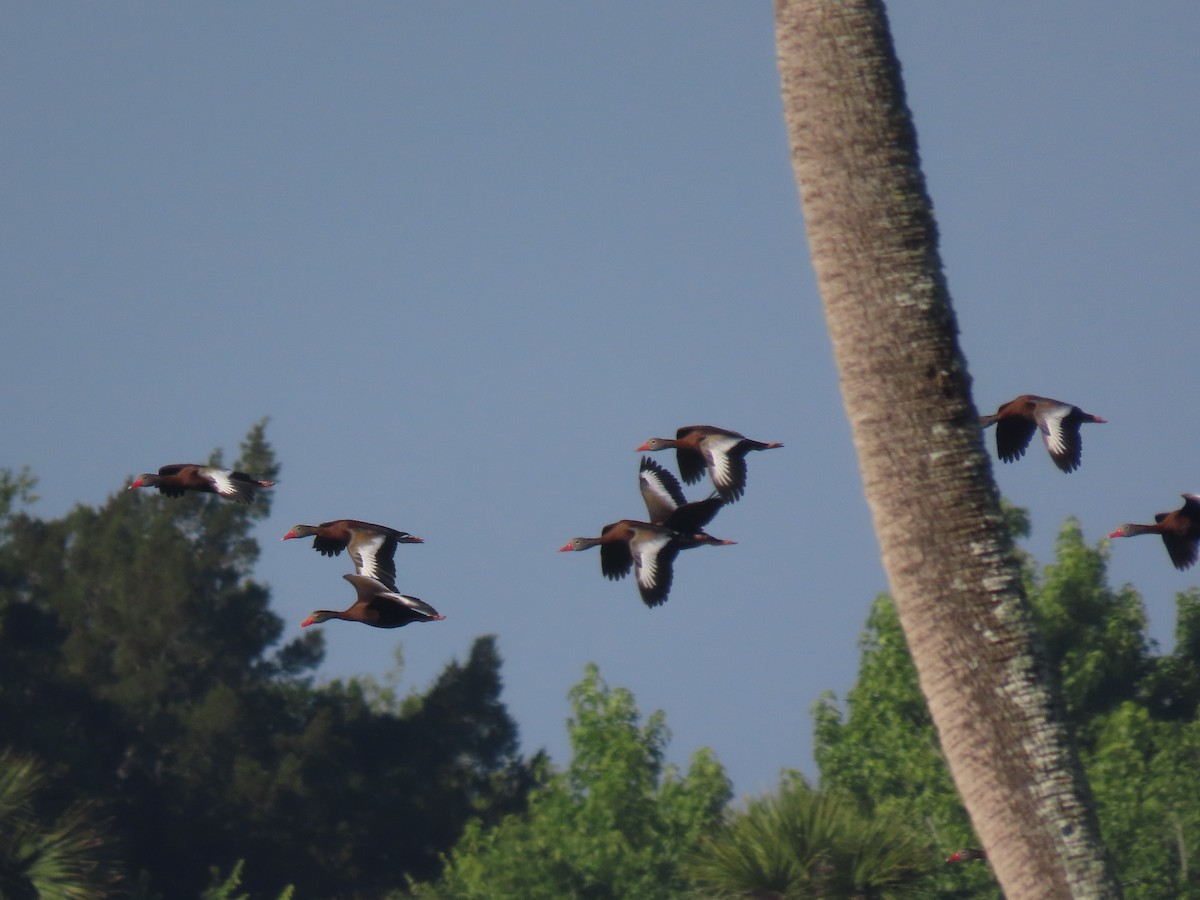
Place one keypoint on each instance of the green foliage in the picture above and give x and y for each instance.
(1095, 636)
(1134, 715)
(801, 843)
(225, 888)
(140, 661)
(377, 796)
(617, 823)
(55, 857)
(16, 489)
(884, 752)
(1171, 689)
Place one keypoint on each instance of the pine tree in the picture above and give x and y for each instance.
(139, 657)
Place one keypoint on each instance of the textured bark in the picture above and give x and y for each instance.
(927, 479)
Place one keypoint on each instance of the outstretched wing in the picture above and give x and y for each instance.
(660, 489)
(1013, 435)
(692, 517)
(231, 484)
(374, 556)
(726, 459)
(653, 561)
(1060, 433)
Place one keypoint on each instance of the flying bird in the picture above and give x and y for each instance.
(721, 452)
(377, 606)
(667, 506)
(966, 855)
(1059, 422)
(372, 547)
(1180, 530)
(174, 480)
(648, 549)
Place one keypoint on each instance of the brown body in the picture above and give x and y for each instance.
(174, 480)
(1059, 422)
(648, 549)
(372, 547)
(1180, 531)
(719, 451)
(378, 607)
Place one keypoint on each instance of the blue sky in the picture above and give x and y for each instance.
(467, 258)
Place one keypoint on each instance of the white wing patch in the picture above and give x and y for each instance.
(654, 485)
(716, 452)
(225, 485)
(660, 502)
(1052, 430)
(645, 558)
(365, 551)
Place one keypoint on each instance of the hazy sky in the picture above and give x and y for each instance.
(468, 257)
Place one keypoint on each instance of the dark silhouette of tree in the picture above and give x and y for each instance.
(139, 660)
(59, 855)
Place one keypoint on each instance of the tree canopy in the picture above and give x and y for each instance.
(140, 663)
(800, 843)
(616, 823)
(1132, 708)
(159, 732)
(61, 854)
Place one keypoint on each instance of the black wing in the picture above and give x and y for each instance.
(1013, 435)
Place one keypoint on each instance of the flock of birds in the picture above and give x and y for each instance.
(372, 547)
(649, 548)
(1059, 422)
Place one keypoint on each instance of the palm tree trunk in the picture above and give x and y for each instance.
(926, 477)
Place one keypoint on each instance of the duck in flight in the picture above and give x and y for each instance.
(377, 606)
(372, 547)
(720, 452)
(174, 480)
(1059, 422)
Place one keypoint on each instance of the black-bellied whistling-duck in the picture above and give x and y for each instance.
(667, 507)
(175, 479)
(378, 606)
(966, 854)
(372, 547)
(721, 452)
(1059, 422)
(1180, 530)
(649, 549)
